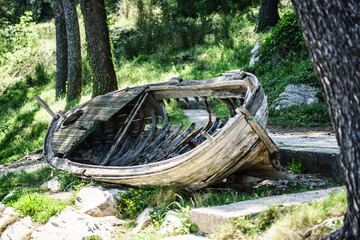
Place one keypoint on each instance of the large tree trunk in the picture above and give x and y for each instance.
(331, 30)
(74, 51)
(97, 35)
(61, 48)
(268, 15)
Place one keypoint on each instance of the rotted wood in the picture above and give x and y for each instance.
(207, 106)
(230, 105)
(120, 135)
(178, 141)
(45, 106)
(268, 142)
(159, 151)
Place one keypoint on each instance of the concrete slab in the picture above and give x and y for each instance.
(325, 161)
(209, 219)
(304, 139)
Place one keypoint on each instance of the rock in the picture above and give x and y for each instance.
(171, 224)
(143, 220)
(18, 230)
(185, 237)
(2, 207)
(96, 202)
(53, 185)
(116, 193)
(74, 225)
(7, 217)
(296, 95)
(60, 195)
(255, 53)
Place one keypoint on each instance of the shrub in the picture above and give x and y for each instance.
(41, 77)
(285, 37)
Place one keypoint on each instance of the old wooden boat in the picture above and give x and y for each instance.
(125, 137)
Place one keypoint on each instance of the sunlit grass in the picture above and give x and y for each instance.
(280, 222)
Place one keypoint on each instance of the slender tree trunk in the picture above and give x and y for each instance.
(74, 51)
(268, 15)
(331, 30)
(61, 48)
(97, 35)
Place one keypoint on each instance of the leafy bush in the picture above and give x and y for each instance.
(41, 76)
(285, 37)
(301, 116)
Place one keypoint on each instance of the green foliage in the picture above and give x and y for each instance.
(294, 167)
(38, 206)
(135, 200)
(285, 37)
(301, 116)
(41, 76)
(279, 222)
(175, 114)
(12, 181)
(69, 182)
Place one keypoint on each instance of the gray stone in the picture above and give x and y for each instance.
(209, 219)
(60, 195)
(18, 230)
(96, 202)
(255, 53)
(74, 225)
(7, 217)
(116, 193)
(171, 224)
(143, 220)
(296, 95)
(53, 185)
(185, 237)
(2, 206)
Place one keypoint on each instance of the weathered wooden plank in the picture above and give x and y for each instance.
(122, 132)
(269, 143)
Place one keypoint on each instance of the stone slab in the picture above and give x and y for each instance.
(209, 219)
(325, 161)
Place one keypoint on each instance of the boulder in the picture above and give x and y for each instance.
(185, 237)
(53, 185)
(18, 230)
(96, 202)
(143, 220)
(255, 53)
(296, 95)
(75, 225)
(7, 217)
(172, 223)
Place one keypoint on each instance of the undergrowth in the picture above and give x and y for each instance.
(281, 222)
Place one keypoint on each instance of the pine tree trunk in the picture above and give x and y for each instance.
(331, 30)
(268, 15)
(74, 51)
(97, 36)
(61, 48)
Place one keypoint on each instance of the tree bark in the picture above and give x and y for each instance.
(97, 35)
(61, 48)
(74, 51)
(268, 15)
(332, 34)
